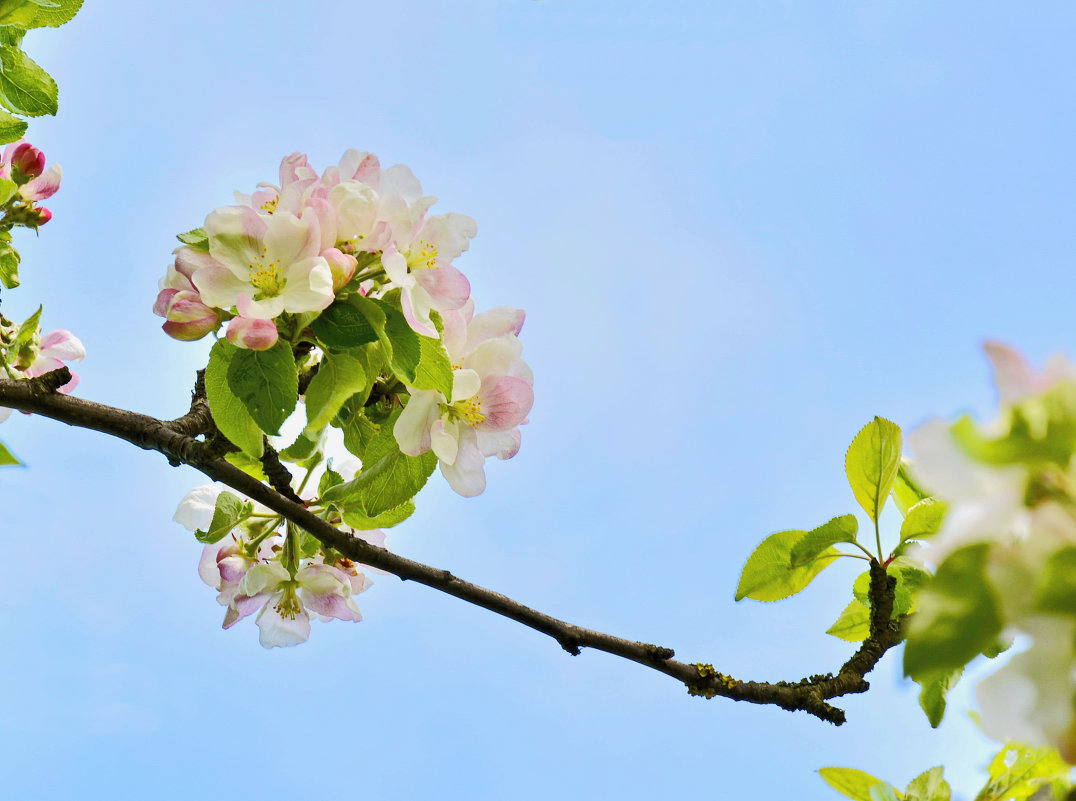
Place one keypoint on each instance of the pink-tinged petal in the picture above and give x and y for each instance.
(43, 364)
(1014, 376)
(243, 605)
(195, 511)
(44, 186)
(290, 238)
(465, 384)
(331, 606)
(455, 333)
(233, 566)
(493, 324)
(69, 387)
(360, 166)
(252, 333)
(327, 223)
(207, 564)
(27, 160)
(188, 318)
(495, 357)
(277, 631)
(295, 167)
(396, 266)
(236, 239)
(412, 428)
(9, 151)
(400, 180)
(342, 266)
(502, 444)
(449, 233)
(264, 577)
(356, 207)
(189, 261)
(447, 287)
(4, 413)
(444, 440)
(467, 475)
(219, 286)
(160, 306)
(309, 286)
(415, 304)
(506, 404)
(62, 344)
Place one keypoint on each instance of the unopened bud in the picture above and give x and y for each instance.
(252, 333)
(187, 318)
(341, 265)
(26, 162)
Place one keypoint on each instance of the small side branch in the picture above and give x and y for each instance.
(177, 441)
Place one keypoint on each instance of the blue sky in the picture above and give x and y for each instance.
(739, 231)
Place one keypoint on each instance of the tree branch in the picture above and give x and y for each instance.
(177, 441)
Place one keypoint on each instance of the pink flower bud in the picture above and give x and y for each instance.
(341, 265)
(26, 162)
(43, 216)
(252, 333)
(187, 317)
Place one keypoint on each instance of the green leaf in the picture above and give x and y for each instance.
(1019, 770)
(359, 432)
(884, 792)
(339, 377)
(434, 370)
(7, 458)
(330, 478)
(227, 514)
(195, 238)
(400, 476)
(26, 330)
(8, 188)
(248, 464)
(854, 623)
(872, 463)
(345, 493)
(923, 520)
(839, 529)
(769, 575)
(25, 88)
(267, 383)
(933, 690)
(958, 615)
(357, 518)
(906, 491)
(398, 340)
(11, 35)
(37, 13)
(1057, 588)
(850, 782)
(12, 129)
(343, 326)
(928, 786)
(229, 412)
(303, 448)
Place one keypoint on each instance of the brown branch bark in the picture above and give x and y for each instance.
(177, 441)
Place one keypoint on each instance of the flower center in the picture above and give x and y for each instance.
(266, 277)
(424, 258)
(470, 411)
(289, 605)
(269, 206)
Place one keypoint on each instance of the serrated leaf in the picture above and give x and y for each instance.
(769, 575)
(884, 792)
(398, 340)
(872, 463)
(195, 238)
(357, 518)
(228, 512)
(1017, 771)
(7, 458)
(342, 325)
(924, 519)
(303, 448)
(1056, 592)
(854, 623)
(229, 412)
(343, 493)
(25, 88)
(906, 491)
(929, 785)
(339, 377)
(267, 383)
(854, 784)
(434, 370)
(37, 13)
(958, 615)
(27, 330)
(359, 432)
(330, 478)
(933, 691)
(839, 529)
(400, 476)
(12, 129)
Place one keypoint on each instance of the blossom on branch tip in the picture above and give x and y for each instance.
(25, 165)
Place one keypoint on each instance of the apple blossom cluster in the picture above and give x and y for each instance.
(338, 296)
(258, 563)
(1005, 553)
(26, 353)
